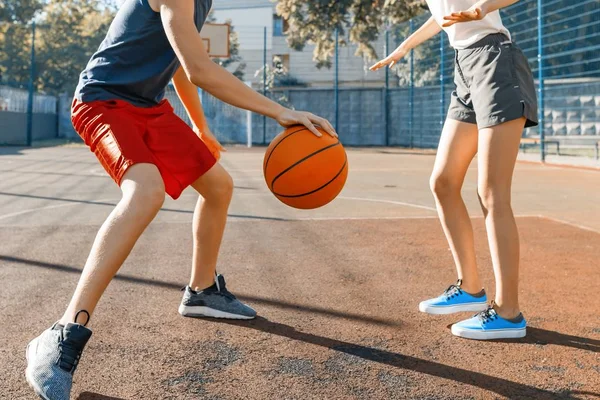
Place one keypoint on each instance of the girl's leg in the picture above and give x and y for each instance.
(143, 196)
(458, 146)
(498, 149)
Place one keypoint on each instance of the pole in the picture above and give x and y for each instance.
(540, 58)
(411, 89)
(336, 88)
(442, 89)
(31, 83)
(265, 82)
(386, 111)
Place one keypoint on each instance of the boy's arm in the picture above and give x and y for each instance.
(188, 94)
(428, 30)
(177, 19)
(477, 12)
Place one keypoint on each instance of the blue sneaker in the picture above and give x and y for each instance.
(454, 300)
(215, 302)
(488, 325)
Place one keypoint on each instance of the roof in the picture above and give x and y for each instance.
(233, 4)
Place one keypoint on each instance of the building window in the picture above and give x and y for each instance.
(279, 26)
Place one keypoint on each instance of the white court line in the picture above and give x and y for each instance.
(399, 203)
(234, 219)
(30, 210)
(70, 203)
(562, 221)
(394, 202)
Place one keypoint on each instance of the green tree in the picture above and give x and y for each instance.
(360, 20)
(19, 11)
(15, 39)
(71, 30)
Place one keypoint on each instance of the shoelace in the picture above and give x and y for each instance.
(487, 315)
(453, 290)
(69, 356)
(222, 290)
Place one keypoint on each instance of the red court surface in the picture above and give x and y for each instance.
(337, 289)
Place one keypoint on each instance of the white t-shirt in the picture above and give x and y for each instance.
(464, 34)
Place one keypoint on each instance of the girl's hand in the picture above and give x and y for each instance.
(474, 13)
(392, 59)
(210, 141)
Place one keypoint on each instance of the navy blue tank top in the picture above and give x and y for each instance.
(135, 62)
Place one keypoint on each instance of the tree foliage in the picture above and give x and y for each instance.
(67, 33)
(361, 21)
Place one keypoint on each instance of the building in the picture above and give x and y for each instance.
(258, 27)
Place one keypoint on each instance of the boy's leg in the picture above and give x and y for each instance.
(210, 216)
(53, 356)
(498, 149)
(207, 294)
(143, 196)
(457, 147)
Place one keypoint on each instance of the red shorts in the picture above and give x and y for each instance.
(121, 135)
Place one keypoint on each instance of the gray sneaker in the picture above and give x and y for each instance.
(215, 301)
(52, 359)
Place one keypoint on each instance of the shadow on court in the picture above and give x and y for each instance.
(248, 298)
(112, 204)
(96, 396)
(497, 385)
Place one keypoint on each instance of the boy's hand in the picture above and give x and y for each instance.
(287, 117)
(392, 59)
(210, 141)
(474, 13)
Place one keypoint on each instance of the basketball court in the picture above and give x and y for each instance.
(336, 288)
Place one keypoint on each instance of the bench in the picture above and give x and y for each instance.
(533, 142)
(595, 145)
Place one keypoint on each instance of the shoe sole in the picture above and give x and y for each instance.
(443, 310)
(489, 335)
(207, 312)
(30, 380)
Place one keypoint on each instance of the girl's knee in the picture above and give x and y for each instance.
(494, 198)
(442, 186)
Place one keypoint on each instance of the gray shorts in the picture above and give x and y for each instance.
(494, 84)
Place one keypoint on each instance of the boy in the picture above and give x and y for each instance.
(494, 100)
(119, 112)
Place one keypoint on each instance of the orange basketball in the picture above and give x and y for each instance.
(303, 170)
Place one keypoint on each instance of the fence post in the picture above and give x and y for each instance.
(336, 85)
(31, 91)
(265, 82)
(411, 90)
(442, 79)
(386, 111)
(540, 57)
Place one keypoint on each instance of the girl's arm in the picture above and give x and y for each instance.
(477, 12)
(428, 30)
(188, 94)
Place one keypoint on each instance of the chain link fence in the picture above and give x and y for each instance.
(405, 106)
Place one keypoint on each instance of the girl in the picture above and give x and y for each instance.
(494, 100)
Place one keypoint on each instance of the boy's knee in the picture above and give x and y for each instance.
(222, 189)
(149, 195)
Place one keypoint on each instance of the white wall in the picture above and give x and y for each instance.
(250, 24)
